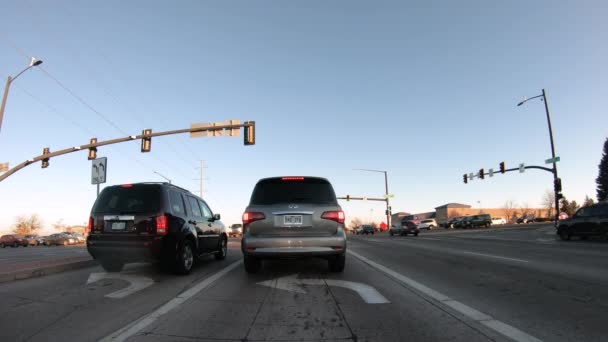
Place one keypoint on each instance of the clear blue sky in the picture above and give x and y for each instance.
(426, 90)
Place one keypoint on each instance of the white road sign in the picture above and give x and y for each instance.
(98, 170)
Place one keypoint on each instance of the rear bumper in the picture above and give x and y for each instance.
(293, 247)
(126, 251)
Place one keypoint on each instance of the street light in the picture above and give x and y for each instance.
(544, 99)
(33, 62)
(388, 213)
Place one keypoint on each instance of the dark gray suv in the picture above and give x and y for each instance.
(293, 217)
(153, 222)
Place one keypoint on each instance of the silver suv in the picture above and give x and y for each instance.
(291, 217)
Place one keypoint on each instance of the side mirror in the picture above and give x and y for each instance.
(216, 217)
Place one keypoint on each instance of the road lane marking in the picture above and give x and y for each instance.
(136, 283)
(494, 256)
(291, 283)
(478, 316)
(132, 329)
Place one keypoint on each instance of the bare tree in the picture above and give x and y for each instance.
(25, 225)
(525, 209)
(588, 201)
(355, 223)
(59, 225)
(510, 210)
(548, 202)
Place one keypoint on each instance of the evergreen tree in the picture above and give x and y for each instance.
(602, 177)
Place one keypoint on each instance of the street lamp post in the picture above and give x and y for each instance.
(33, 62)
(388, 213)
(554, 170)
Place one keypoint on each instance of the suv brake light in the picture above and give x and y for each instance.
(337, 216)
(292, 178)
(162, 225)
(250, 216)
(126, 186)
(90, 225)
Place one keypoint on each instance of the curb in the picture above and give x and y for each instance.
(43, 271)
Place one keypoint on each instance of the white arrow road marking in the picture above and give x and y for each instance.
(291, 283)
(136, 283)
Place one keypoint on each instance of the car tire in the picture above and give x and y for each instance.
(65, 243)
(564, 235)
(2, 245)
(252, 264)
(337, 264)
(112, 265)
(184, 260)
(431, 227)
(415, 234)
(222, 249)
(391, 233)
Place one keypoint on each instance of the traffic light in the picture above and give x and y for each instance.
(249, 136)
(45, 161)
(93, 150)
(465, 179)
(347, 198)
(557, 184)
(481, 176)
(502, 167)
(146, 142)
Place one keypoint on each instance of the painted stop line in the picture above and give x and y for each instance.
(292, 283)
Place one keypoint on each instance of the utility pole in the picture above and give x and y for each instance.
(202, 167)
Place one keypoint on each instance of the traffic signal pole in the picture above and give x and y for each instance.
(44, 158)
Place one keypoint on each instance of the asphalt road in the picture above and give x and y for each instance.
(485, 285)
(15, 259)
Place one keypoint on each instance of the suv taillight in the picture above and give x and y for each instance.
(337, 216)
(90, 225)
(162, 225)
(250, 216)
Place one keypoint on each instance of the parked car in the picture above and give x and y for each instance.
(293, 217)
(32, 240)
(461, 222)
(498, 220)
(451, 223)
(77, 238)
(525, 219)
(235, 230)
(157, 222)
(59, 239)
(587, 221)
(481, 220)
(12, 240)
(427, 224)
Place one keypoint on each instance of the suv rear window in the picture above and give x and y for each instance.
(306, 190)
(144, 198)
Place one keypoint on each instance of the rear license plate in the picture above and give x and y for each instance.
(119, 225)
(292, 220)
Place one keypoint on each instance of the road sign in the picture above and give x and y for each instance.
(389, 196)
(293, 284)
(98, 170)
(551, 160)
(521, 168)
(471, 176)
(491, 172)
(3, 167)
(201, 133)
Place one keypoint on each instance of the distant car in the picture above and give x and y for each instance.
(32, 240)
(462, 222)
(498, 220)
(481, 220)
(427, 224)
(525, 219)
(157, 222)
(235, 230)
(293, 217)
(451, 223)
(12, 240)
(409, 227)
(58, 239)
(366, 229)
(76, 238)
(587, 221)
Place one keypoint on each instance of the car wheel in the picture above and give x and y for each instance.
(337, 264)
(415, 234)
(431, 227)
(2, 245)
(185, 257)
(372, 233)
(391, 233)
(223, 249)
(252, 264)
(112, 265)
(65, 243)
(564, 235)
